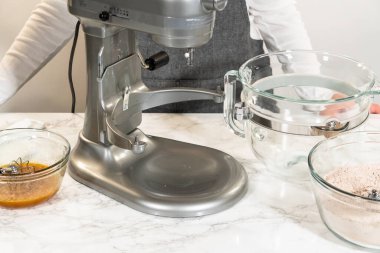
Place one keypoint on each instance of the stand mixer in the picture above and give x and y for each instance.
(151, 174)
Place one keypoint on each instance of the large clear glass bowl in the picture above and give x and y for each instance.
(291, 100)
(345, 170)
(284, 155)
(31, 146)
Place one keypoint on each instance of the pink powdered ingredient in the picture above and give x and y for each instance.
(357, 180)
(356, 220)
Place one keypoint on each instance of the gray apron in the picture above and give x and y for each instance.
(230, 46)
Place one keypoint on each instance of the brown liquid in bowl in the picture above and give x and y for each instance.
(23, 193)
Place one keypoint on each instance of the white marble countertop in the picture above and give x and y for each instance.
(274, 216)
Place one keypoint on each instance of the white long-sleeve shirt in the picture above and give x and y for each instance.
(50, 26)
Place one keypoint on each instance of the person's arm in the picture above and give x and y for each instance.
(278, 23)
(47, 30)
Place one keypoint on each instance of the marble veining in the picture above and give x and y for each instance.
(274, 216)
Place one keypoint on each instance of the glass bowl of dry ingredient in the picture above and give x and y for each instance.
(345, 172)
(32, 166)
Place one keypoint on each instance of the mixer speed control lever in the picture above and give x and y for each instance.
(157, 60)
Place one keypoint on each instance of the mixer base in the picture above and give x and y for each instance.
(171, 178)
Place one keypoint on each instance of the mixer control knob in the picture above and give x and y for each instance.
(104, 16)
(138, 147)
(214, 5)
(157, 60)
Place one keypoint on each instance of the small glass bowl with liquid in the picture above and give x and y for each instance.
(32, 166)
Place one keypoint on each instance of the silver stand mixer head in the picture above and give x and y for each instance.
(151, 174)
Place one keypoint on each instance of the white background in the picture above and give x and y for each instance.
(348, 27)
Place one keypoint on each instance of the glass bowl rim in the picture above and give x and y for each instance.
(46, 171)
(323, 182)
(304, 101)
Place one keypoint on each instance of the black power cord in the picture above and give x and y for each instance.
(72, 90)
